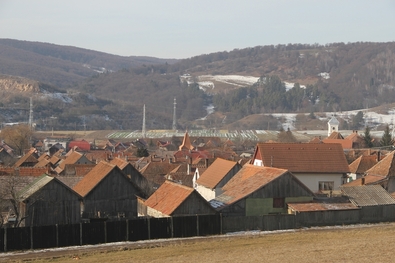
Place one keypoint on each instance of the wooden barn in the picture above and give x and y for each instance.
(175, 199)
(257, 190)
(134, 175)
(47, 201)
(107, 193)
(210, 183)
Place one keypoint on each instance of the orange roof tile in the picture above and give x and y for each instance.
(248, 180)
(346, 144)
(369, 179)
(303, 157)
(362, 164)
(168, 197)
(71, 159)
(386, 167)
(91, 179)
(42, 163)
(335, 135)
(28, 158)
(216, 172)
(121, 163)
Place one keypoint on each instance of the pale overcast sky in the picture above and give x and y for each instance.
(187, 28)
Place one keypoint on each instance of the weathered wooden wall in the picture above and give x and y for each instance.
(52, 204)
(115, 195)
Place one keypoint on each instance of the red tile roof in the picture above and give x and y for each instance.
(303, 157)
(335, 135)
(29, 157)
(346, 144)
(90, 180)
(386, 167)
(121, 163)
(216, 172)
(369, 179)
(248, 180)
(168, 197)
(71, 159)
(362, 164)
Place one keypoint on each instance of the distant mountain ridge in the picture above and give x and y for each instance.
(62, 66)
(333, 78)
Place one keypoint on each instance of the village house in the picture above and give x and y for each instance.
(173, 199)
(210, 183)
(257, 190)
(30, 159)
(47, 201)
(107, 193)
(53, 140)
(322, 167)
(382, 173)
(72, 157)
(79, 145)
(363, 163)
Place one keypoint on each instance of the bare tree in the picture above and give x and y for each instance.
(17, 136)
(10, 188)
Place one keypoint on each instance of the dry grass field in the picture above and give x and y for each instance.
(368, 243)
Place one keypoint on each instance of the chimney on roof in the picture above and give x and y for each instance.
(170, 160)
(363, 181)
(206, 163)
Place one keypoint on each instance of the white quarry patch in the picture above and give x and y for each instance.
(324, 75)
(61, 96)
(235, 80)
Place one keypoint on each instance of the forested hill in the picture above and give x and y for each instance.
(62, 66)
(332, 77)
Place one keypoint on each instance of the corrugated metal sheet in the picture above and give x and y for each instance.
(308, 207)
(368, 195)
(35, 186)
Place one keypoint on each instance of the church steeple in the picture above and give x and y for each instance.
(186, 143)
(333, 125)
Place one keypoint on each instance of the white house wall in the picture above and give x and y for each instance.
(312, 180)
(207, 193)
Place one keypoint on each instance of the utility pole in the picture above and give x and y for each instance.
(143, 129)
(174, 116)
(31, 114)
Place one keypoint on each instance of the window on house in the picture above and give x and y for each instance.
(278, 202)
(325, 186)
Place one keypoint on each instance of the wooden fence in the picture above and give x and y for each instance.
(39, 237)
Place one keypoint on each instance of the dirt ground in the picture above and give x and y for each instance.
(362, 243)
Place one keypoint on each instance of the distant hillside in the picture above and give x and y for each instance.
(334, 77)
(62, 66)
(218, 90)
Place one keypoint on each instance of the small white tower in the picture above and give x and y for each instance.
(333, 125)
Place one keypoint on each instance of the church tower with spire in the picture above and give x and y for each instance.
(333, 125)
